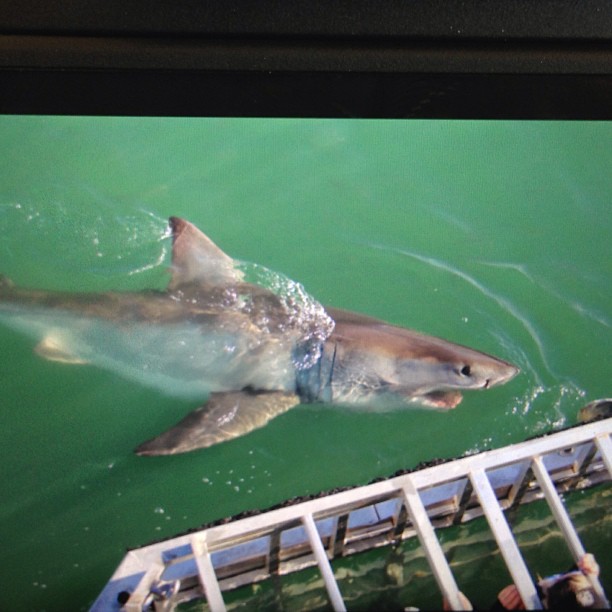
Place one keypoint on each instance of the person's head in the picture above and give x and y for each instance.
(571, 591)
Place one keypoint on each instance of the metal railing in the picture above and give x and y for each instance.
(205, 563)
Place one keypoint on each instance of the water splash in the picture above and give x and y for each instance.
(555, 401)
(301, 312)
(77, 239)
(164, 239)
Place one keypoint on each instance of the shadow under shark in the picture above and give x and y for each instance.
(252, 340)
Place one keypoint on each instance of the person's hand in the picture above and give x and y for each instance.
(588, 565)
(510, 598)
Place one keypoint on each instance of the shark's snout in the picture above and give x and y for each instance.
(503, 375)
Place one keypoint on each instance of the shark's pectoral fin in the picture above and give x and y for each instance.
(444, 400)
(225, 416)
(53, 348)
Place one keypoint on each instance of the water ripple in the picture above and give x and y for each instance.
(575, 305)
(501, 301)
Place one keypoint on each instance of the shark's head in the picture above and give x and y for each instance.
(446, 369)
(459, 367)
(377, 361)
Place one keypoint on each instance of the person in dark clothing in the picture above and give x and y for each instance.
(569, 591)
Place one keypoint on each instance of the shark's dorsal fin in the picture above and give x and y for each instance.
(197, 259)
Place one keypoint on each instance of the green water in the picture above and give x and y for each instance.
(494, 235)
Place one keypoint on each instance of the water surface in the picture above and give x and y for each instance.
(491, 234)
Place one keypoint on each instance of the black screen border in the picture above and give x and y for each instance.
(437, 59)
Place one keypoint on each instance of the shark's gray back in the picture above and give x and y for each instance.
(177, 343)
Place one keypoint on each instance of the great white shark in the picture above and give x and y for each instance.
(252, 341)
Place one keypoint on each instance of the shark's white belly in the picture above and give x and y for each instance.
(181, 359)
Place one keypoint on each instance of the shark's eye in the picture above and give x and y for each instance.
(466, 370)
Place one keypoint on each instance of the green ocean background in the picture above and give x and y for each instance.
(492, 234)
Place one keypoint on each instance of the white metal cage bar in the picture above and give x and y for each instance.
(142, 592)
(505, 540)
(433, 551)
(604, 444)
(563, 520)
(326, 570)
(207, 576)
(251, 549)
